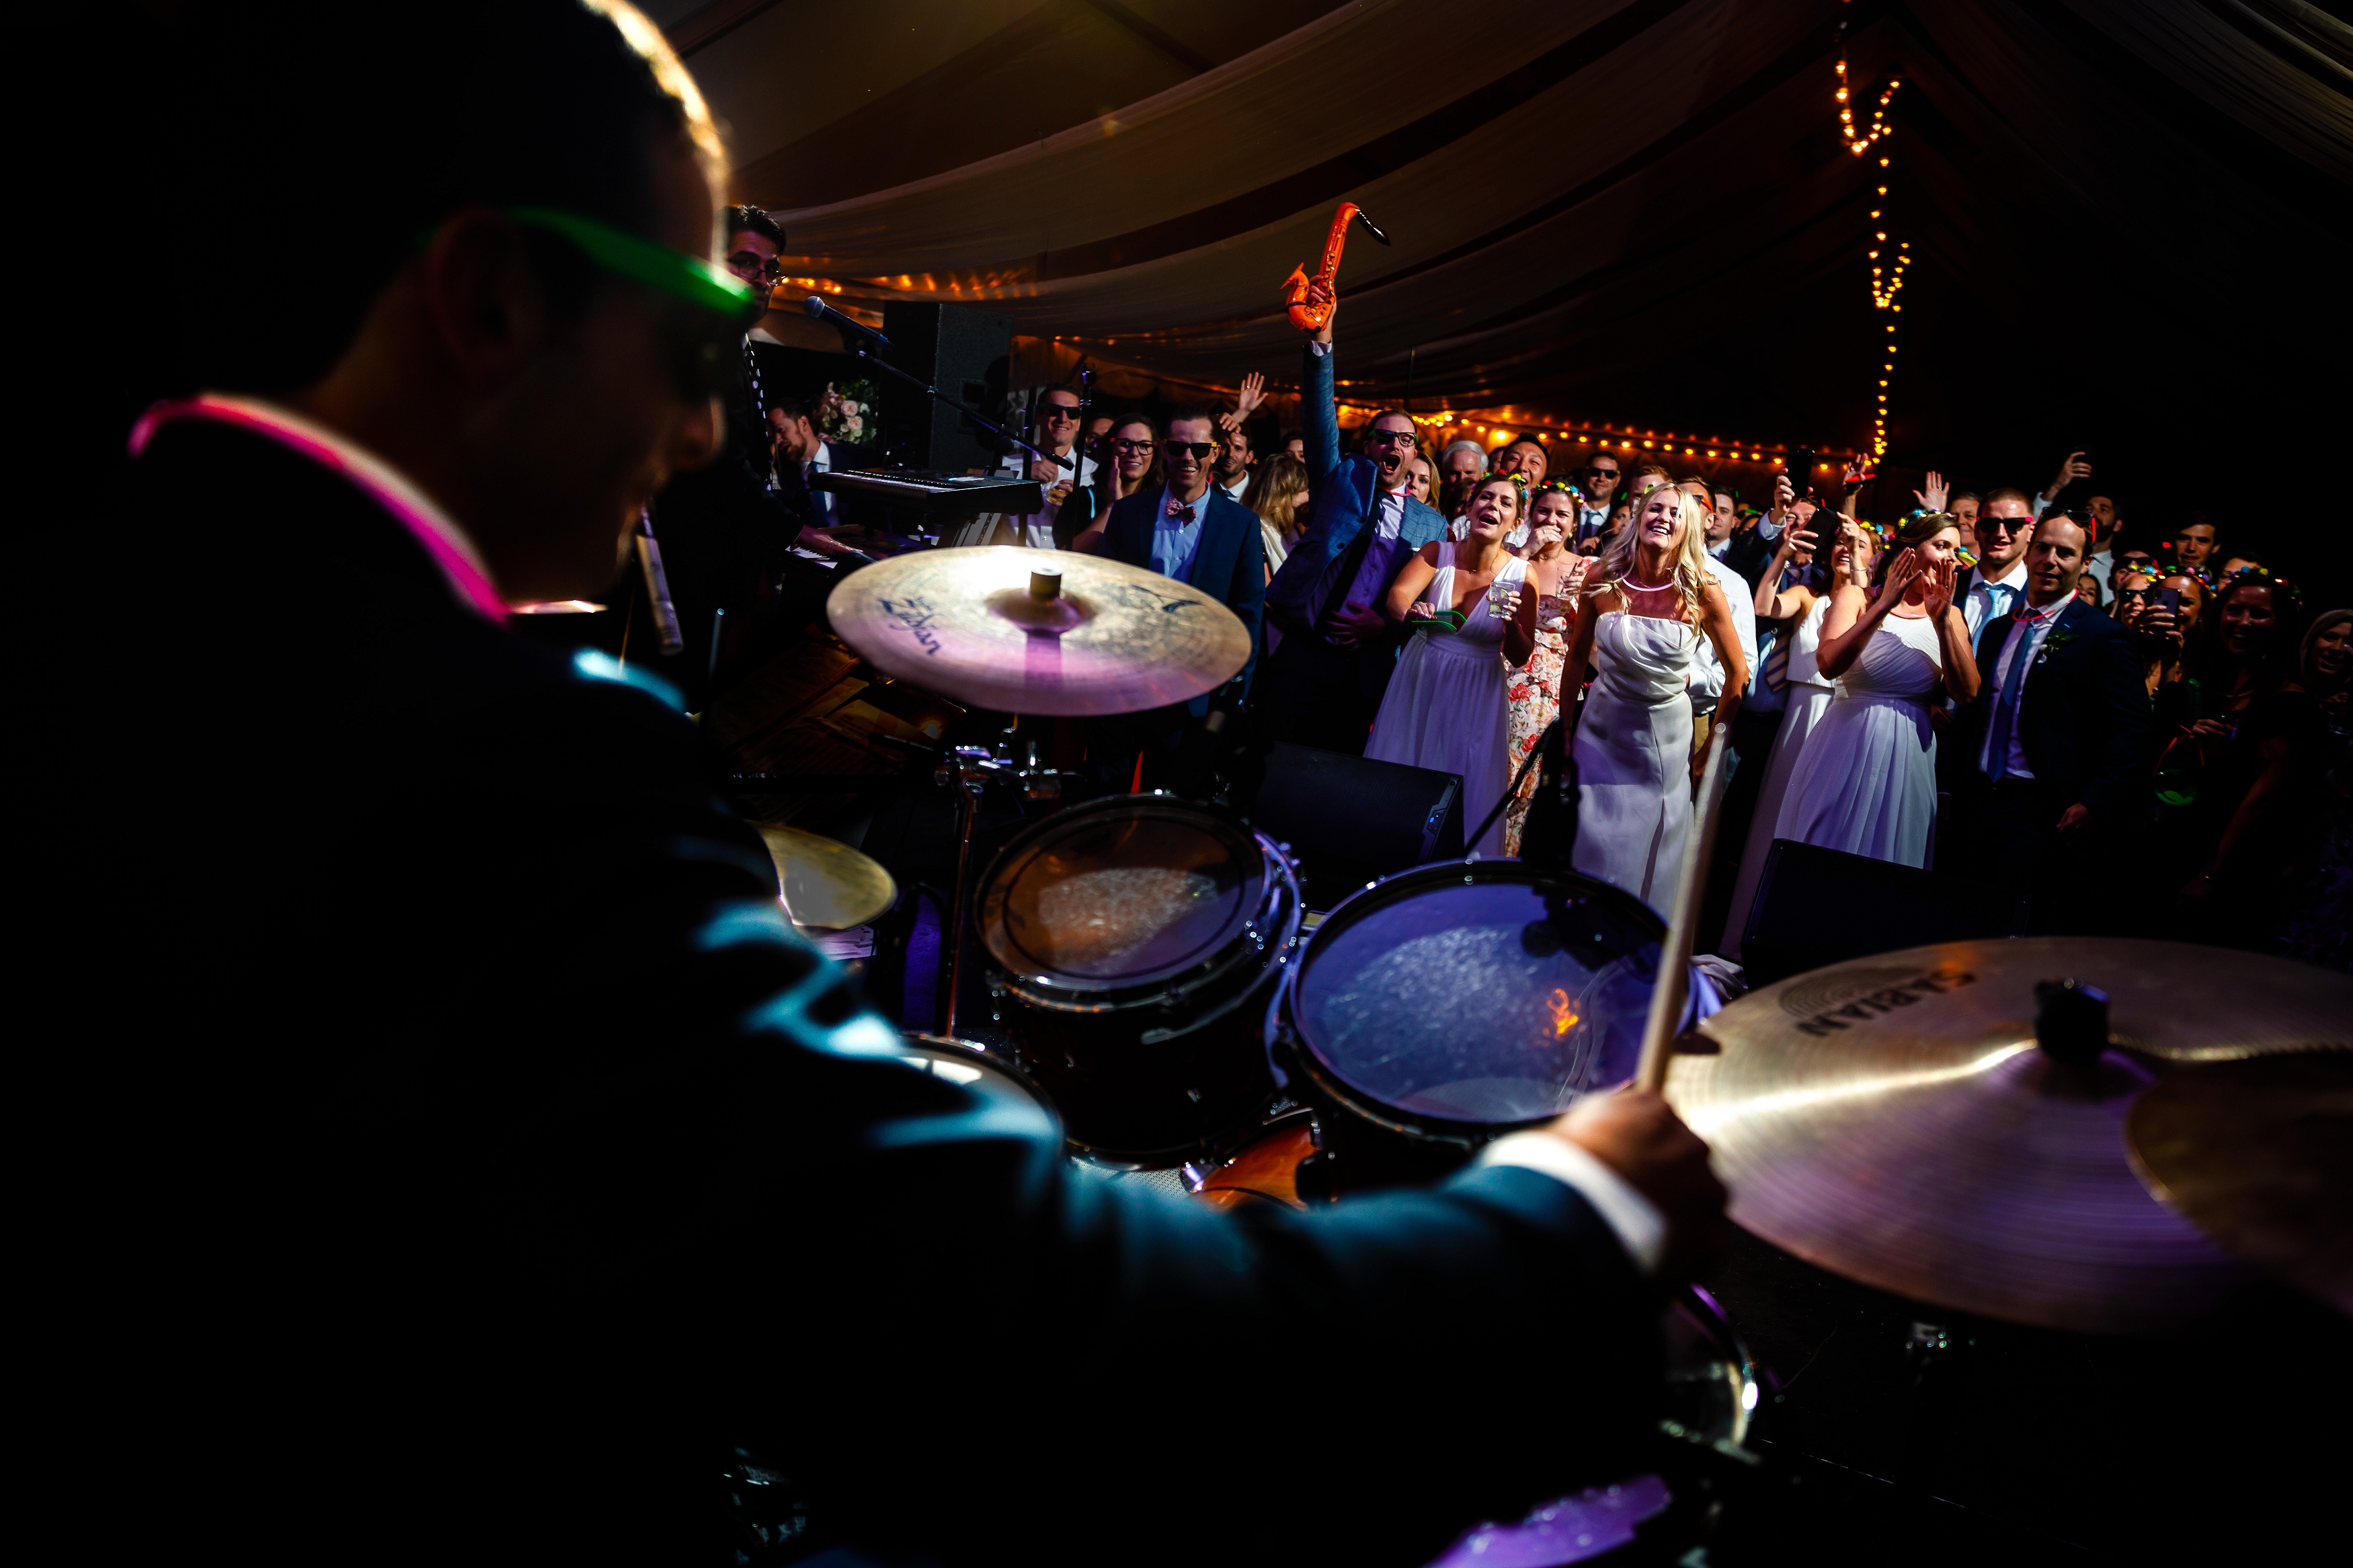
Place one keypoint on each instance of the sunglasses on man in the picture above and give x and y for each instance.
(1060, 413)
(1178, 448)
(769, 269)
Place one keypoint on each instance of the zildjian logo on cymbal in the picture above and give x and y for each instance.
(916, 616)
(1862, 1009)
(1168, 604)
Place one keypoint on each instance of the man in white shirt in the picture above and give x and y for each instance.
(1997, 584)
(1722, 518)
(800, 453)
(1234, 458)
(1056, 428)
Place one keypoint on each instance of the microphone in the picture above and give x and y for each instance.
(818, 310)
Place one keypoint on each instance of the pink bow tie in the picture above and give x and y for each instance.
(1177, 508)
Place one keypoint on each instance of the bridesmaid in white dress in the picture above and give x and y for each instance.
(1866, 783)
(1809, 693)
(1446, 707)
(1648, 601)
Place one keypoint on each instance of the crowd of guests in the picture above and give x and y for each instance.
(2138, 732)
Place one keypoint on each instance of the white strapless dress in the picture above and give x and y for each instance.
(1808, 698)
(1633, 756)
(1867, 781)
(1447, 705)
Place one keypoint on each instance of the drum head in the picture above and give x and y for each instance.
(1481, 993)
(1121, 893)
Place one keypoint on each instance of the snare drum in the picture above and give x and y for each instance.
(1134, 944)
(1450, 1004)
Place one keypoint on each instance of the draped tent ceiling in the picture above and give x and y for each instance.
(2130, 217)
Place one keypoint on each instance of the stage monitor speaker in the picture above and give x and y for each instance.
(1349, 820)
(1817, 906)
(967, 354)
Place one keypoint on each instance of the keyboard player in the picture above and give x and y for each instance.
(1057, 430)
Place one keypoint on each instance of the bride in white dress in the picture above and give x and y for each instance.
(1648, 600)
(1866, 783)
(1447, 707)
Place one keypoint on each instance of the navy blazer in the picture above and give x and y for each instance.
(2083, 714)
(1229, 565)
(538, 1093)
(1344, 489)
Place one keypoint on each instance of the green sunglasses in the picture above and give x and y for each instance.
(658, 267)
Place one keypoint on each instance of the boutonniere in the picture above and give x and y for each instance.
(2057, 639)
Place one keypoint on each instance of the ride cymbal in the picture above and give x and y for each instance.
(1892, 1120)
(2259, 1154)
(1039, 631)
(827, 885)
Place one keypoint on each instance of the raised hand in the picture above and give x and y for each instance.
(1253, 393)
(2074, 469)
(1933, 496)
(1901, 573)
(1936, 587)
(1785, 495)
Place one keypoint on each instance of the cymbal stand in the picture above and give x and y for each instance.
(968, 770)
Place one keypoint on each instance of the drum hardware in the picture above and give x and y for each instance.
(1133, 946)
(1947, 1123)
(1559, 970)
(967, 771)
(827, 884)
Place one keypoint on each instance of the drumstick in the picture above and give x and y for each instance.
(1673, 987)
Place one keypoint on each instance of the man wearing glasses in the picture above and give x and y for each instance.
(1190, 530)
(724, 527)
(1601, 487)
(1057, 430)
(1325, 680)
(1997, 584)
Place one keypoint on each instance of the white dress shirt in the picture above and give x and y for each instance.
(1707, 669)
(2036, 624)
(1034, 528)
(1242, 483)
(1977, 607)
(822, 500)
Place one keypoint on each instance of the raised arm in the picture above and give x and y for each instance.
(1774, 603)
(1589, 609)
(1405, 601)
(1319, 418)
(1852, 619)
(1952, 632)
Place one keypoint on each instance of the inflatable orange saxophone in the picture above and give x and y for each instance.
(1308, 315)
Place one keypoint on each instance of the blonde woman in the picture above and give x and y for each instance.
(1277, 494)
(1648, 601)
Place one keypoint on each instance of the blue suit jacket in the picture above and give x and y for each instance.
(1229, 565)
(1344, 489)
(2083, 714)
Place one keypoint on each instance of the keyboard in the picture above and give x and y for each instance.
(937, 492)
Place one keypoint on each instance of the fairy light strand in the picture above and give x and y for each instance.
(1887, 267)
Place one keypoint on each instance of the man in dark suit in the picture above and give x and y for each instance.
(801, 452)
(503, 1153)
(1325, 681)
(1192, 531)
(2054, 750)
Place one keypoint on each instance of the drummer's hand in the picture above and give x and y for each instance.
(1638, 1135)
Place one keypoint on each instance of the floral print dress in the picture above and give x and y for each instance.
(1534, 695)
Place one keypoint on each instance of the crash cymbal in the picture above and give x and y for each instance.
(827, 885)
(993, 627)
(2259, 1155)
(1895, 1120)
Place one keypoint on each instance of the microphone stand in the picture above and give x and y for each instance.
(967, 410)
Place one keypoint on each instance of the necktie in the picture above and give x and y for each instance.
(1998, 598)
(1181, 512)
(2005, 708)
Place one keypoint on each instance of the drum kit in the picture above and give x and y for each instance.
(2090, 1135)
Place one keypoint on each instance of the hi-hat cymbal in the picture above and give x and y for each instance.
(1892, 1120)
(827, 885)
(988, 625)
(2259, 1155)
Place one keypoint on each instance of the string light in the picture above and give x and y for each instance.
(1887, 271)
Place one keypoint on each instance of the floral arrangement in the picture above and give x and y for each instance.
(845, 413)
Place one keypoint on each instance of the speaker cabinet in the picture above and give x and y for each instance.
(967, 355)
(1816, 907)
(1349, 820)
